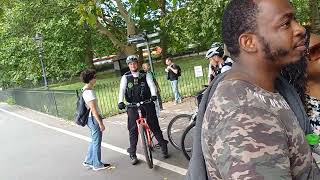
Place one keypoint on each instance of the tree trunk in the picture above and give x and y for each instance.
(129, 50)
(131, 30)
(163, 37)
(315, 16)
(131, 27)
(88, 53)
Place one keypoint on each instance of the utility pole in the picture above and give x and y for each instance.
(39, 40)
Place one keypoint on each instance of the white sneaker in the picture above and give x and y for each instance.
(87, 165)
(105, 166)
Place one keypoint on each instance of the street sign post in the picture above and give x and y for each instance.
(144, 39)
(156, 41)
(153, 35)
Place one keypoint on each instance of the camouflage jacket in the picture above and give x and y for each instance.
(250, 133)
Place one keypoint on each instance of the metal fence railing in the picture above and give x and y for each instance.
(59, 103)
(188, 84)
(62, 103)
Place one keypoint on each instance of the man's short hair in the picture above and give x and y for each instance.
(240, 16)
(87, 75)
(169, 59)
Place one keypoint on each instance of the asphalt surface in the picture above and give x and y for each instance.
(35, 146)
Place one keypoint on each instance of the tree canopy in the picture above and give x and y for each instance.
(76, 31)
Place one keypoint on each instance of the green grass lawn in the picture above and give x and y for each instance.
(107, 77)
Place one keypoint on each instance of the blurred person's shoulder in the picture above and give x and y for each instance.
(232, 93)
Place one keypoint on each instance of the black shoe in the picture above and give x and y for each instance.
(164, 149)
(134, 159)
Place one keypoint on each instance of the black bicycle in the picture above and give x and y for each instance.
(187, 136)
(176, 128)
(187, 140)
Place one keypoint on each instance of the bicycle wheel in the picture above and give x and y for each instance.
(187, 140)
(146, 147)
(176, 128)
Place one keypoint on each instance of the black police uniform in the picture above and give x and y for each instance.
(137, 90)
(217, 70)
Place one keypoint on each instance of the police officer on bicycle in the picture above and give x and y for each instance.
(137, 86)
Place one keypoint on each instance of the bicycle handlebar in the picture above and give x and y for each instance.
(136, 105)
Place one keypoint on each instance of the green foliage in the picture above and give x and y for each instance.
(302, 10)
(11, 101)
(199, 22)
(89, 12)
(69, 29)
(64, 42)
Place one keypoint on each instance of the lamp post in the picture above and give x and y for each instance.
(39, 39)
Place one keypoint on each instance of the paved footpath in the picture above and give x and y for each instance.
(36, 146)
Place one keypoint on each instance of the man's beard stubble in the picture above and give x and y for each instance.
(274, 55)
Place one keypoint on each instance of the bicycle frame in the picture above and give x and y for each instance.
(141, 120)
(144, 132)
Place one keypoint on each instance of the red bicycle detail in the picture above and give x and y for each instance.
(144, 133)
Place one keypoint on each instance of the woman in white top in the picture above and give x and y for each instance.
(95, 123)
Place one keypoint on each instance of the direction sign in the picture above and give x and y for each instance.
(150, 42)
(144, 39)
(153, 35)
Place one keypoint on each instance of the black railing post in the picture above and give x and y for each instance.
(55, 102)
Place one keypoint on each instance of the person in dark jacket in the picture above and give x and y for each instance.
(173, 76)
(137, 86)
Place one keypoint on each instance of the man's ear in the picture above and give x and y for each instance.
(248, 42)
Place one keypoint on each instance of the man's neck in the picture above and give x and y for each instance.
(314, 88)
(135, 73)
(260, 74)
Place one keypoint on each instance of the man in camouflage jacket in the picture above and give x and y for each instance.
(249, 131)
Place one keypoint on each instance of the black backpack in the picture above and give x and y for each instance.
(197, 168)
(82, 112)
(179, 70)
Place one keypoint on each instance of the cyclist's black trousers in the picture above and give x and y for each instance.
(148, 112)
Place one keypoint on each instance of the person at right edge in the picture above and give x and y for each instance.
(137, 86)
(249, 131)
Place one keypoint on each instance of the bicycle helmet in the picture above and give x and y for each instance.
(131, 58)
(215, 50)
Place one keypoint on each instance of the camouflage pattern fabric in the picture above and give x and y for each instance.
(250, 133)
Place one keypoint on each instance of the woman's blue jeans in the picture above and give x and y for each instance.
(94, 150)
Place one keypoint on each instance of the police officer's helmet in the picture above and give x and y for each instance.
(131, 58)
(215, 50)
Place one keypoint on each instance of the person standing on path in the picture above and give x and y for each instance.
(173, 76)
(95, 123)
